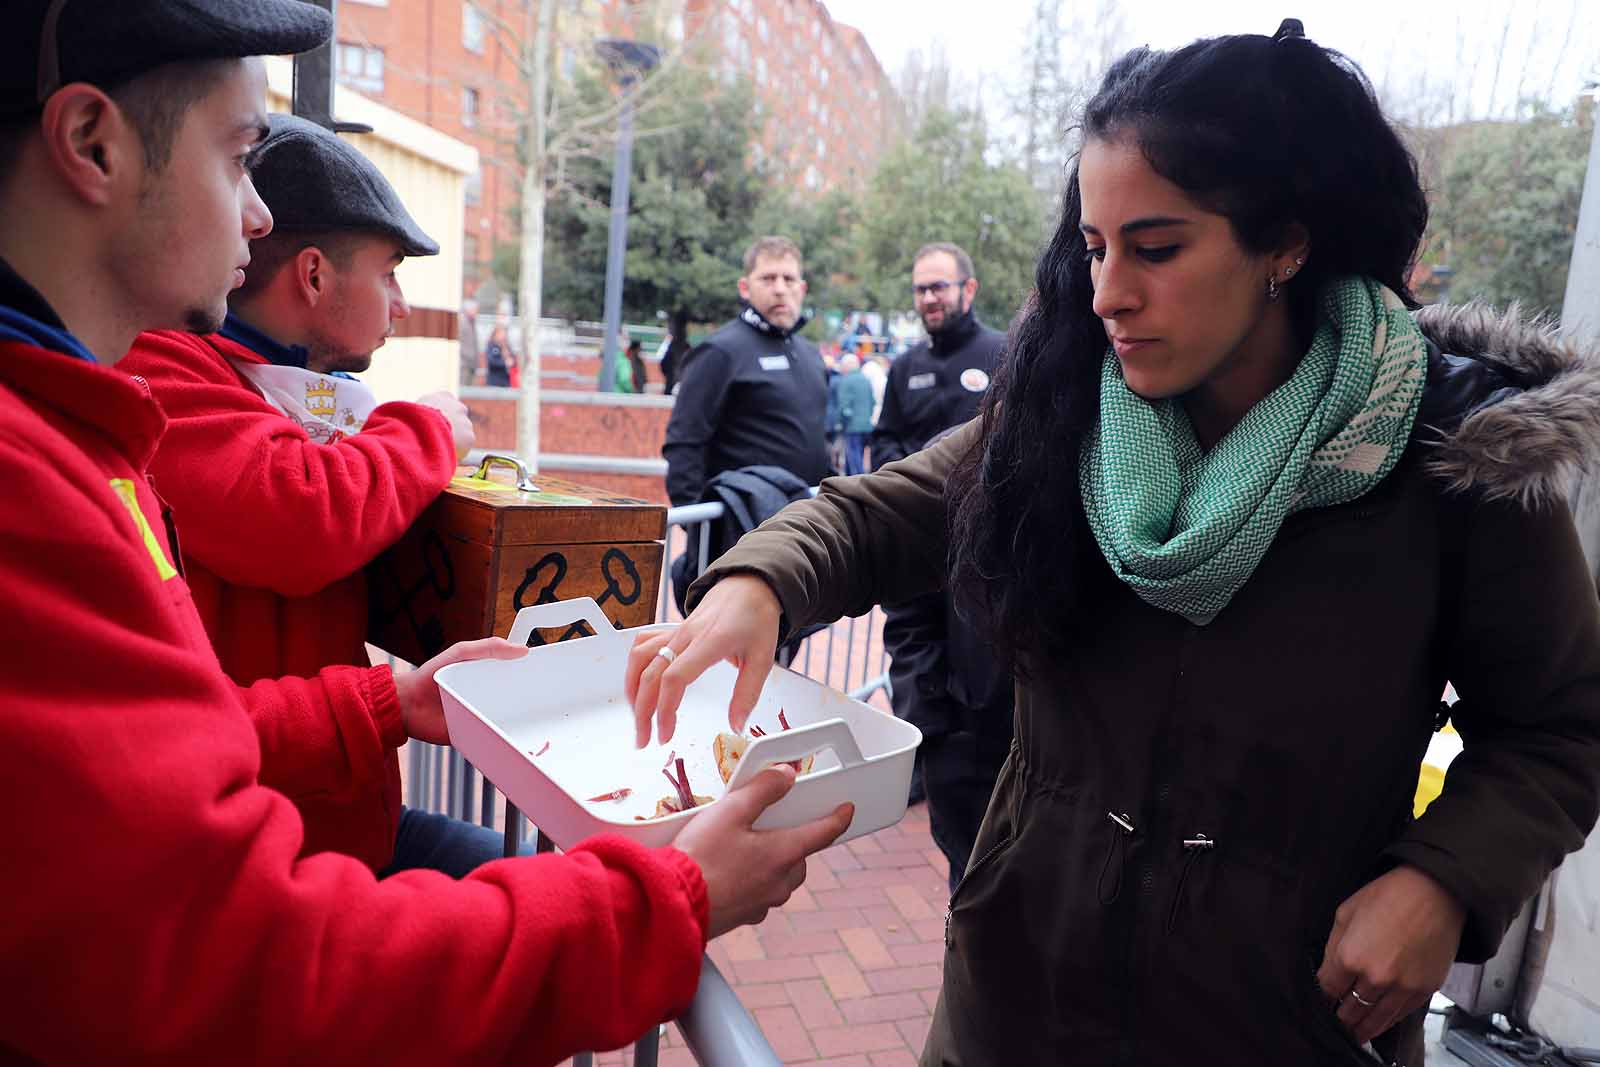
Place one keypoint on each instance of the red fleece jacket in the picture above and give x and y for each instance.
(275, 529)
(157, 910)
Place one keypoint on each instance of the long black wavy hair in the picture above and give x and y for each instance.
(1266, 131)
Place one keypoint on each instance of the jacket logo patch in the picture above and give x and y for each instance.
(774, 362)
(922, 381)
(974, 380)
(128, 493)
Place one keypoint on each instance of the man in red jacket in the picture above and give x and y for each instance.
(287, 477)
(160, 910)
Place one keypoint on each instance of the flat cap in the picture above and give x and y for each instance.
(45, 44)
(313, 179)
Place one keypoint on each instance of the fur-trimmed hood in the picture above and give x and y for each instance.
(1513, 408)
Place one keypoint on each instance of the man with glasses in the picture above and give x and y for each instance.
(940, 382)
(944, 678)
(754, 393)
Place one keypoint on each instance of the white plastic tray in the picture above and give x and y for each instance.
(569, 696)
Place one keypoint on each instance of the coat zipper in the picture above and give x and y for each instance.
(972, 869)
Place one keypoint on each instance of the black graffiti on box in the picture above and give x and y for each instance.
(388, 598)
(541, 584)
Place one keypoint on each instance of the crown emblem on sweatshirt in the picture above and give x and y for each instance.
(320, 399)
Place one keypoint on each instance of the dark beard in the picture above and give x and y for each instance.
(203, 320)
(326, 359)
(951, 318)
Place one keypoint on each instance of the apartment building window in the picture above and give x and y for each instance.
(471, 104)
(474, 187)
(761, 70)
(761, 29)
(474, 28)
(822, 77)
(360, 66)
(470, 253)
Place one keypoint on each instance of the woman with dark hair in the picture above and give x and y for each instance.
(1235, 513)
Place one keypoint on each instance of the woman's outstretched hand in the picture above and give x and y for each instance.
(738, 622)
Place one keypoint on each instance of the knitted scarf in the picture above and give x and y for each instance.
(1186, 527)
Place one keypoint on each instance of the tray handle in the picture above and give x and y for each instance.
(560, 613)
(795, 744)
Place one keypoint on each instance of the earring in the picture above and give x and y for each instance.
(1272, 289)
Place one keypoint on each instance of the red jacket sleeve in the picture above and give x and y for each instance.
(257, 501)
(155, 911)
(324, 735)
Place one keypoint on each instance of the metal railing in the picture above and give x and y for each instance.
(848, 655)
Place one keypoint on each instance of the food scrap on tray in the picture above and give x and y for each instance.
(728, 749)
(683, 799)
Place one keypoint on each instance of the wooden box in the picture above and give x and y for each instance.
(486, 549)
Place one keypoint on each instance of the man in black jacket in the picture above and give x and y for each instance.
(945, 680)
(939, 383)
(753, 393)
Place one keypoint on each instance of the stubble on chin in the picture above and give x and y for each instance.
(204, 320)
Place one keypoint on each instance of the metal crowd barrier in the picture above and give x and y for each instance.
(717, 1028)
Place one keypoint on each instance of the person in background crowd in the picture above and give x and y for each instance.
(636, 364)
(286, 475)
(755, 391)
(943, 678)
(673, 350)
(1235, 512)
(495, 366)
(166, 914)
(850, 399)
(469, 342)
(876, 370)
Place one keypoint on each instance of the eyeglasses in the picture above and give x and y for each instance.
(937, 289)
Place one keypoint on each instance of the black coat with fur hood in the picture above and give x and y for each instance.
(1184, 808)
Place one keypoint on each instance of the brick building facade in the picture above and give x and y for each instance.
(452, 65)
(443, 62)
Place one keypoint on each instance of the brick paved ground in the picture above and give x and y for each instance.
(846, 973)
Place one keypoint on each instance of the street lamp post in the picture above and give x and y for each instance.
(630, 60)
(312, 92)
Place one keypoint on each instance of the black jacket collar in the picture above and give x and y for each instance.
(758, 322)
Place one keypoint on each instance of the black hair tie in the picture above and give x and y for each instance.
(1290, 28)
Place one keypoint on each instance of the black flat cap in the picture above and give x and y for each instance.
(313, 179)
(45, 44)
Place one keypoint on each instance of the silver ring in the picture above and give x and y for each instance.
(666, 653)
(1363, 1001)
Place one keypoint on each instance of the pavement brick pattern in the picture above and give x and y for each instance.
(846, 973)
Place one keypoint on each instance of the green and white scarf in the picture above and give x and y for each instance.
(1185, 527)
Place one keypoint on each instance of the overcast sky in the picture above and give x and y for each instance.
(1551, 45)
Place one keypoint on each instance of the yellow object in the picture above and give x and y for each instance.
(128, 493)
(1430, 781)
